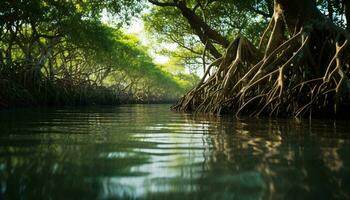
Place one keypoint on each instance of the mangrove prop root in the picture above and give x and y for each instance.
(307, 73)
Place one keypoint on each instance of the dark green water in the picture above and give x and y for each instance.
(149, 152)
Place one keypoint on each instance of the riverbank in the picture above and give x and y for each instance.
(13, 95)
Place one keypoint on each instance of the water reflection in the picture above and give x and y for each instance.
(290, 159)
(149, 152)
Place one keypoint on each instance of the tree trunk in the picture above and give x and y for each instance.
(297, 13)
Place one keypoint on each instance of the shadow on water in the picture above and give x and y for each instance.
(148, 152)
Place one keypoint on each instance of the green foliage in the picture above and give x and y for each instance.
(229, 18)
(334, 9)
(60, 52)
(142, 78)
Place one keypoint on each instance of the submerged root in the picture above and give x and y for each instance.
(307, 73)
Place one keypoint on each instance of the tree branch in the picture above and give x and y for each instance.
(162, 4)
(205, 33)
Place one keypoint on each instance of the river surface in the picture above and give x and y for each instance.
(149, 152)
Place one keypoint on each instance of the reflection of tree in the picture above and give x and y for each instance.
(61, 171)
(61, 155)
(277, 159)
(103, 153)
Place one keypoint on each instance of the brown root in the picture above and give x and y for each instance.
(307, 73)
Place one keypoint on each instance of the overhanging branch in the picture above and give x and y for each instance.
(162, 4)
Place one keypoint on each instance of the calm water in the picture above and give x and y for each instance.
(149, 152)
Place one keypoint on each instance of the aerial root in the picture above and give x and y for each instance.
(278, 83)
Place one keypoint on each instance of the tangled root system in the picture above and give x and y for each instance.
(306, 73)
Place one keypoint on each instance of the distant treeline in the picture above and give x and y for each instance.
(60, 53)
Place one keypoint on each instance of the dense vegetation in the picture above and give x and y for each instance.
(61, 53)
(297, 65)
(267, 57)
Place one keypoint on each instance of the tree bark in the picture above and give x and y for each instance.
(297, 13)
